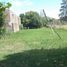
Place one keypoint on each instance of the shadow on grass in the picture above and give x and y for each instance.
(37, 58)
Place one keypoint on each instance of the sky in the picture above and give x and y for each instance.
(51, 7)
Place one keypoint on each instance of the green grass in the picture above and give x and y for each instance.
(34, 48)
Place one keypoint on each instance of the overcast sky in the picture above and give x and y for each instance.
(51, 7)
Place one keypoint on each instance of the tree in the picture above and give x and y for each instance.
(3, 7)
(32, 20)
(63, 10)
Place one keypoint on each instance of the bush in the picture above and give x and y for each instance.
(3, 7)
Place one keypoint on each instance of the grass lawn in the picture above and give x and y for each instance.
(34, 48)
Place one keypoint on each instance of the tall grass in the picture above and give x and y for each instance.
(33, 39)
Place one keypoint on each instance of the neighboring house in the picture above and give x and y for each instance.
(12, 21)
(63, 9)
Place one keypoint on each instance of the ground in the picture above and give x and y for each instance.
(34, 48)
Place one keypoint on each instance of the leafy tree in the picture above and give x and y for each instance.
(24, 20)
(3, 7)
(32, 20)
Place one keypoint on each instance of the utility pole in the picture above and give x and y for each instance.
(51, 25)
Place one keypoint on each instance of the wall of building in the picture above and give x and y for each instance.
(12, 21)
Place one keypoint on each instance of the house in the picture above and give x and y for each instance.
(12, 21)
